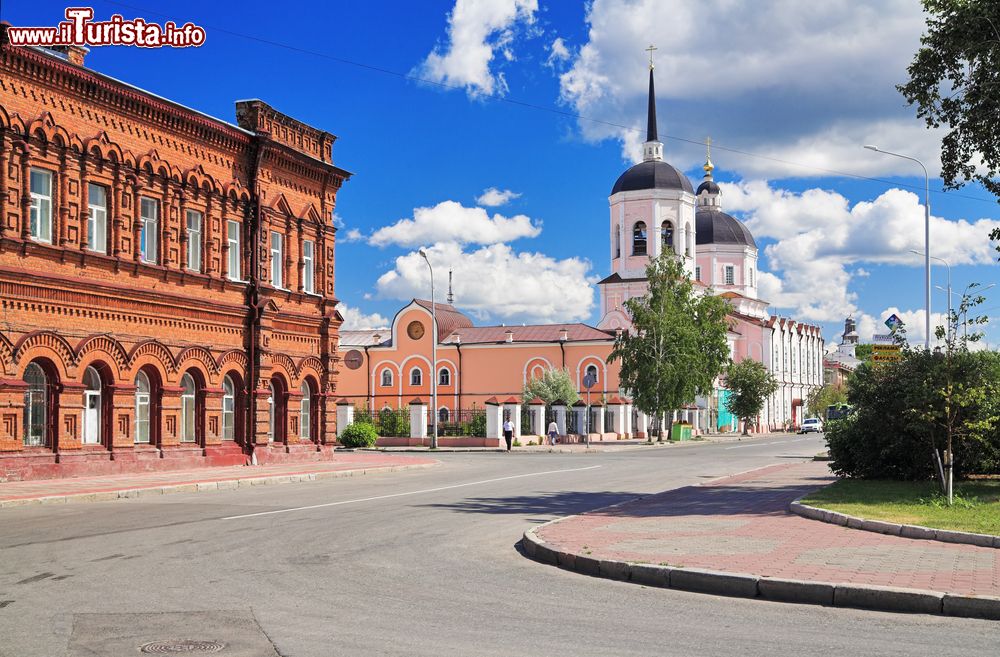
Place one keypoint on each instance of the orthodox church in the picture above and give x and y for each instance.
(655, 208)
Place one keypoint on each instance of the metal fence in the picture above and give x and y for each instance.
(388, 423)
(609, 421)
(468, 422)
(573, 422)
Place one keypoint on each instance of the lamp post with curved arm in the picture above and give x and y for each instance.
(434, 353)
(927, 240)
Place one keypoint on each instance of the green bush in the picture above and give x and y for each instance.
(359, 434)
(477, 427)
(897, 419)
(394, 423)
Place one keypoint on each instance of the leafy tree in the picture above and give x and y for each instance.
(955, 82)
(554, 385)
(863, 351)
(821, 398)
(749, 384)
(679, 343)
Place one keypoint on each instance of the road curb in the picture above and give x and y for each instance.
(892, 528)
(198, 487)
(742, 585)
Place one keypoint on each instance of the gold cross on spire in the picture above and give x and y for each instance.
(650, 50)
(708, 157)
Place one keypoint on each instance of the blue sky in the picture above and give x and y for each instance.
(786, 98)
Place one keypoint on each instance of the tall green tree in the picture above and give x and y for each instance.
(749, 384)
(678, 346)
(829, 394)
(554, 385)
(955, 82)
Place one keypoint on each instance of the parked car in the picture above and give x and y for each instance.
(811, 424)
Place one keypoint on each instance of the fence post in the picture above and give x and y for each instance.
(598, 414)
(514, 406)
(537, 408)
(627, 417)
(580, 408)
(418, 419)
(641, 425)
(494, 418)
(559, 408)
(345, 415)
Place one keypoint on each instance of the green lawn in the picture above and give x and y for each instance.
(976, 508)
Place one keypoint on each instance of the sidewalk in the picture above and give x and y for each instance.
(739, 528)
(94, 489)
(603, 445)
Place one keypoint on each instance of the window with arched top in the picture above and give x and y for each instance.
(305, 412)
(444, 377)
(36, 406)
(667, 235)
(228, 408)
(639, 238)
(143, 391)
(592, 371)
(618, 243)
(386, 378)
(416, 377)
(444, 415)
(92, 406)
(277, 406)
(189, 413)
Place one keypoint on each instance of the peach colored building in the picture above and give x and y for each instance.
(391, 367)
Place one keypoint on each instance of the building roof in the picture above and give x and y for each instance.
(616, 278)
(651, 109)
(534, 333)
(448, 317)
(364, 338)
(714, 226)
(654, 174)
(708, 186)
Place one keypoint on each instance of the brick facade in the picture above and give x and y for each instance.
(156, 299)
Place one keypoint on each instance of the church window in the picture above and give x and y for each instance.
(97, 218)
(444, 377)
(41, 205)
(386, 378)
(639, 239)
(697, 273)
(416, 377)
(618, 243)
(667, 234)
(729, 277)
(592, 371)
(750, 277)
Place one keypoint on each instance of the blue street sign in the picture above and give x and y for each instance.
(893, 322)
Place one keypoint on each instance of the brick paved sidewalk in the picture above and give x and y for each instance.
(130, 485)
(741, 525)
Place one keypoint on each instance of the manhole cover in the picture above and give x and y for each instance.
(180, 647)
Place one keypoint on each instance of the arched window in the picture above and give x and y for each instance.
(639, 239)
(305, 412)
(270, 413)
(386, 378)
(667, 235)
(142, 395)
(444, 415)
(444, 377)
(228, 408)
(36, 403)
(618, 243)
(188, 413)
(92, 407)
(277, 410)
(416, 377)
(592, 371)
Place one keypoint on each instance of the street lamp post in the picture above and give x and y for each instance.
(965, 313)
(948, 265)
(434, 354)
(927, 240)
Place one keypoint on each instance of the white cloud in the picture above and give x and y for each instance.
(806, 87)
(558, 53)
(820, 235)
(495, 283)
(352, 235)
(494, 197)
(356, 320)
(449, 221)
(477, 30)
(861, 272)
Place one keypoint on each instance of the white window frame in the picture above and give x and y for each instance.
(189, 412)
(36, 402)
(228, 408)
(386, 380)
(92, 380)
(728, 275)
(697, 273)
(41, 207)
(444, 377)
(308, 266)
(142, 400)
(149, 232)
(194, 239)
(277, 260)
(416, 377)
(233, 246)
(305, 412)
(97, 219)
(597, 373)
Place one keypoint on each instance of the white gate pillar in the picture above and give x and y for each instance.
(560, 410)
(537, 408)
(418, 418)
(345, 415)
(514, 406)
(494, 418)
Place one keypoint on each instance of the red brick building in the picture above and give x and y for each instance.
(166, 278)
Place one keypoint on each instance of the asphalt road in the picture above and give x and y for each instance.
(412, 563)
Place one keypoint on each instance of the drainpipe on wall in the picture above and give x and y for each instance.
(254, 309)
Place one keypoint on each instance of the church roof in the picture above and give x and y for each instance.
(535, 333)
(448, 317)
(713, 226)
(708, 185)
(654, 174)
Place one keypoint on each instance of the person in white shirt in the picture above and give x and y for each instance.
(508, 433)
(553, 432)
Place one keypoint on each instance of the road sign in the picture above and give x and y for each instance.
(893, 322)
(886, 357)
(589, 380)
(883, 338)
(885, 348)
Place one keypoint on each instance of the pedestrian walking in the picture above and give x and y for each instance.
(508, 433)
(553, 432)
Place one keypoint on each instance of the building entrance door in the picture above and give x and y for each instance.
(92, 417)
